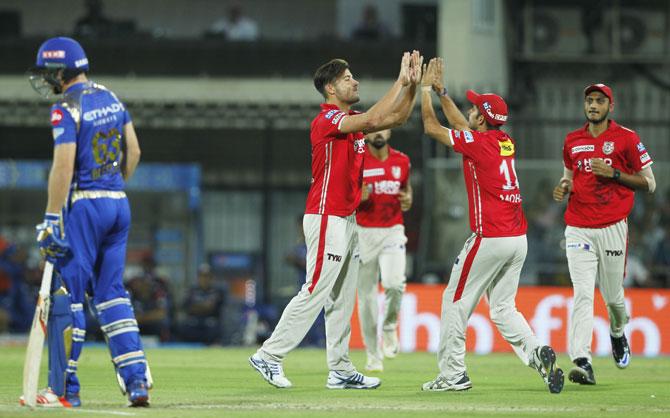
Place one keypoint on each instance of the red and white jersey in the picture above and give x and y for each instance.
(494, 198)
(596, 202)
(385, 179)
(337, 165)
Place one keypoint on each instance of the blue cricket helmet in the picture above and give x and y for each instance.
(62, 52)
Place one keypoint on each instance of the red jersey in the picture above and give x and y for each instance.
(494, 198)
(386, 179)
(597, 202)
(337, 165)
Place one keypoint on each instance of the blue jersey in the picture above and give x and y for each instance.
(92, 117)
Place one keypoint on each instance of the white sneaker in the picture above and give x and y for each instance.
(374, 365)
(46, 398)
(272, 371)
(339, 380)
(440, 384)
(390, 343)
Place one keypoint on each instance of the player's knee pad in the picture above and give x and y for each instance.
(119, 325)
(59, 341)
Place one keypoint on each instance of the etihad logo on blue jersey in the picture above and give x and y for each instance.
(101, 112)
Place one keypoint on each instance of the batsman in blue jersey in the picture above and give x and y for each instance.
(85, 228)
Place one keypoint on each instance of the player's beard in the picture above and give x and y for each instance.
(597, 120)
(378, 143)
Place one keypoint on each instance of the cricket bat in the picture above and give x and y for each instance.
(38, 331)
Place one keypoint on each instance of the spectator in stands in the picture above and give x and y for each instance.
(203, 307)
(15, 304)
(370, 28)
(234, 27)
(316, 336)
(94, 24)
(151, 302)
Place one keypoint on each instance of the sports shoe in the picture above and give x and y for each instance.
(374, 365)
(544, 361)
(138, 394)
(272, 371)
(73, 399)
(440, 384)
(582, 373)
(390, 343)
(620, 351)
(46, 398)
(339, 380)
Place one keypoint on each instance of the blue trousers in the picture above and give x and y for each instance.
(97, 231)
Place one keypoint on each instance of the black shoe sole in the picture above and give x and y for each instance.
(580, 376)
(555, 378)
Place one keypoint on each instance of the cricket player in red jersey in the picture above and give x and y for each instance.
(338, 148)
(491, 260)
(604, 164)
(385, 195)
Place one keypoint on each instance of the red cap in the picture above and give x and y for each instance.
(491, 106)
(601, 88)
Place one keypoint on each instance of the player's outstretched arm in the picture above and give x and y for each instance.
(132, 155)
(60, 176)
(449, 108)
(642, 180)
(431, 125)
(388, 111)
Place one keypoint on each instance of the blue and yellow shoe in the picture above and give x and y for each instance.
(73, 399)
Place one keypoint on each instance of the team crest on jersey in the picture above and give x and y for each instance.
(506, 148)
(396, 171)
(359, 146)
(608, 147)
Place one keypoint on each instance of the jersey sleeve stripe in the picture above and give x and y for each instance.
(646, 165)
(451, 137)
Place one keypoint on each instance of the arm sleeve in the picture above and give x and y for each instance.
(63, 126)
(468, 143)
(567, 161)
(637, 155)
(329, 123)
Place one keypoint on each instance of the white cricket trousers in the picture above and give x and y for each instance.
(382, 252)
(332, 271)
(490, 265)
(595, 255)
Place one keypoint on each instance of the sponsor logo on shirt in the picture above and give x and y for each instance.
(59, 53)
(506, 148)
(372, 172)
(334, 257)
(337, 118)
(582, 148)
(457, 134)
(331, 113)
(468, 137)
(57, 132)
(359, 146)
(578, 245)
(387, 187)
(614, 253)
(645, 157)
(56, 117)
(81, 62)
(396, 171)
(608, 147)
(640, 147)
(94, 114)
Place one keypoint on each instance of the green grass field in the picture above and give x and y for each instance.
(218, 382)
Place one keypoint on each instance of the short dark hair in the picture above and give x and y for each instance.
(327, 73)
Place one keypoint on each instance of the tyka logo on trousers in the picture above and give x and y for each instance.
(333, 257)
(614, 253)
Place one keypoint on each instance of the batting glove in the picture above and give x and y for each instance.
(51, 238)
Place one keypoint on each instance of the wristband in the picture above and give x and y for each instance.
(443, 92)
(616, 175)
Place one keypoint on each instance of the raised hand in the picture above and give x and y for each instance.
(428, 73)
(438, 75)
(404, 76)
(416, 64)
